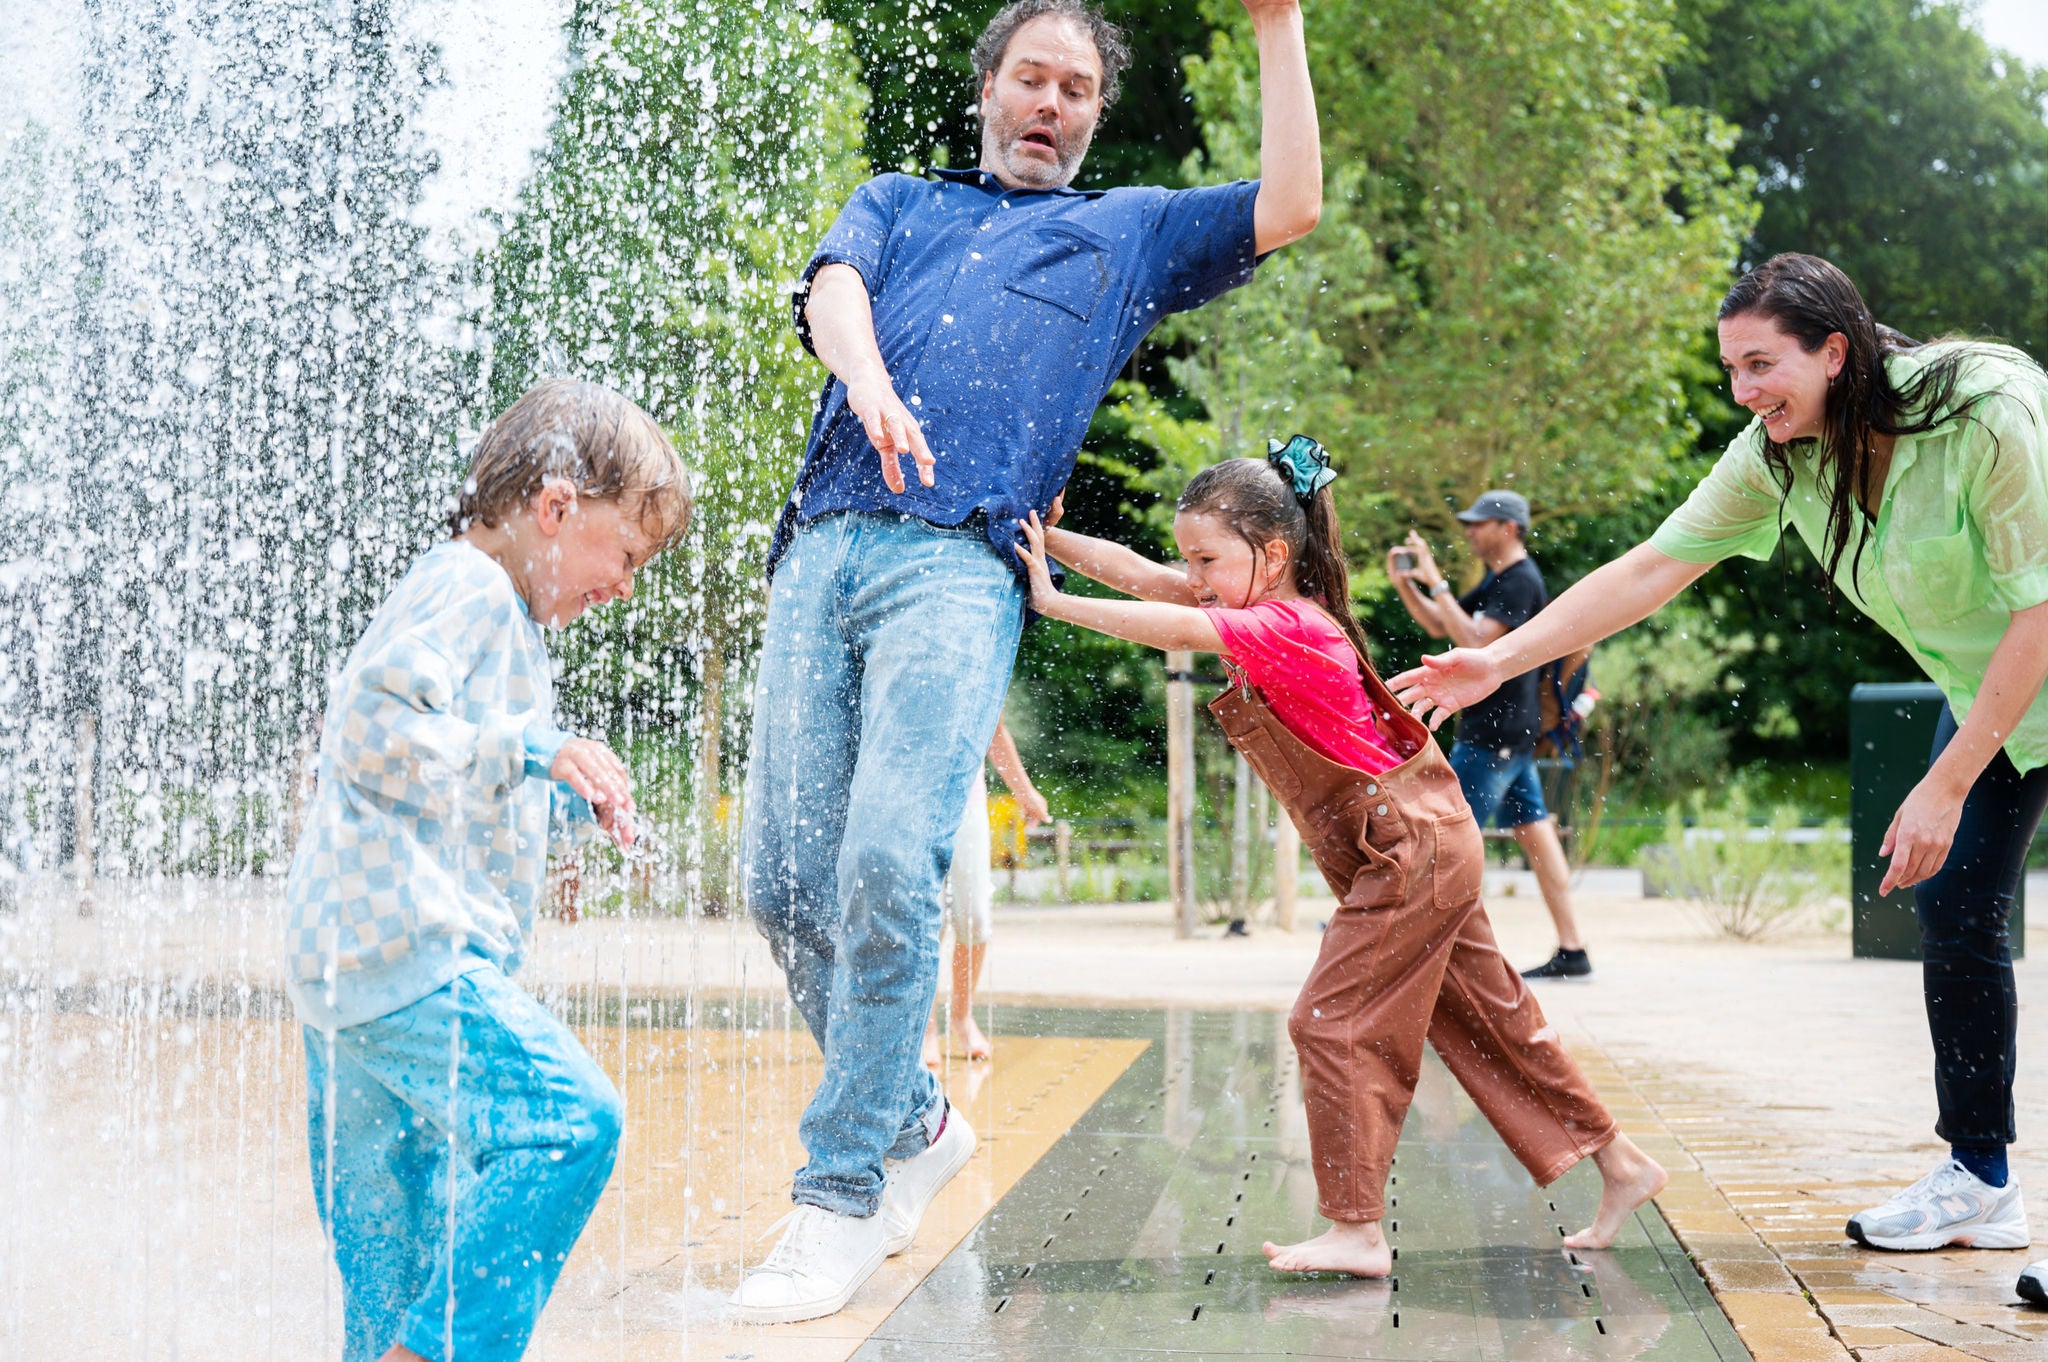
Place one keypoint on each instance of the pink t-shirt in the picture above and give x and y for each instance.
(1308, 673)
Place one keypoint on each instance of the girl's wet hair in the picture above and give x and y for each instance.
(602, 443)
(1257, 501)
(1809, 299)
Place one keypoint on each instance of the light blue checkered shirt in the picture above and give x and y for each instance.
(426, 844)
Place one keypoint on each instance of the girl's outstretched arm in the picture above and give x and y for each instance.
(1156, 624)
(1118, 568)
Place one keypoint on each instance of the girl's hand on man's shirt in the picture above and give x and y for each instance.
(594, 771)
(1044, 595)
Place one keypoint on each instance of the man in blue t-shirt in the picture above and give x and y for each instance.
(972, 322)
(1495, 754)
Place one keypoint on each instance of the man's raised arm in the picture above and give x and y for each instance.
(843, 335)
(1290, 201)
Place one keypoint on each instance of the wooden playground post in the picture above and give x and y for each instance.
(1180, 790)
(1241, 839)
(1286, 870)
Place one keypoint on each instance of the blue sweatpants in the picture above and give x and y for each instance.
(458, 1146)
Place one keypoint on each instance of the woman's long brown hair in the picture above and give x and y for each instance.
(1810, 300)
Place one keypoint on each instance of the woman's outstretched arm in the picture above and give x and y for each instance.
(1605, 601)
(1118, 568)
(1156, 624)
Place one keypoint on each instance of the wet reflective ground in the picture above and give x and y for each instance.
(1139, 1233)
(155, 1201)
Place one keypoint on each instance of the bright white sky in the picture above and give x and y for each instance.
(2018, 26)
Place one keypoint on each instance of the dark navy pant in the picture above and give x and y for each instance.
(1972, 1005)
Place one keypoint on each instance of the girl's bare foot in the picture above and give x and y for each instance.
(1357, 1248)
(400, 1353)
(966, 1036)
(932, 1058)
(1628, 1178)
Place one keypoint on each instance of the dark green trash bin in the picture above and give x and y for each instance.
(1891, 727)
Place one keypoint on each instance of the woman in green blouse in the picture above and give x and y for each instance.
(1918, 475)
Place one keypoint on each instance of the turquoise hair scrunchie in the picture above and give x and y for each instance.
(1304, 463)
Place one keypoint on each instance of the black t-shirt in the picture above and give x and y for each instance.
(1507, 719)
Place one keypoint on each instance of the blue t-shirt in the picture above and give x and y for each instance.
(1003, 315)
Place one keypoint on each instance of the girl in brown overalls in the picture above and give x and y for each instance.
(1409, 953)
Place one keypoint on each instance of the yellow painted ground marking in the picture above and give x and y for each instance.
(703, 1175)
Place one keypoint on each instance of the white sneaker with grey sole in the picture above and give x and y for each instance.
(1951, 1205)
(914, 1182)
(813, 1270)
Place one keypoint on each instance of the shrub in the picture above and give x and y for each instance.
(1747, 881)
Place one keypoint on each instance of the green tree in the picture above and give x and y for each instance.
(1521, 235)
(1888, 137)
(697, 156)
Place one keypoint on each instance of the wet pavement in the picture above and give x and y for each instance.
(1138, 1234)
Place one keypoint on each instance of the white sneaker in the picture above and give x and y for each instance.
(914, 1182)
(2033, 1285)
(813, 1270)
(1951, 1205)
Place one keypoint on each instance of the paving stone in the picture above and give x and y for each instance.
(1740, 1274)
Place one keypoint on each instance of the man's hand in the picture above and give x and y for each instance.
(1256, 8)
(892, 430)
(594, 771)
(1446, 683)
(1921, 833)
(1426, 570)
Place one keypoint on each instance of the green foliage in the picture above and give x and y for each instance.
(1890, 139)
(1520, 238)
(1088, 712)
(1647, 741)
(697, 156)
(1748, 882)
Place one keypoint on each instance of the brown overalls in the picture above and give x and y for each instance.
(1409, 954)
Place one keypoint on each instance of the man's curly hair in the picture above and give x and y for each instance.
(994, 43)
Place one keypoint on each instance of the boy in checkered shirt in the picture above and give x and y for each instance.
(460, 1135)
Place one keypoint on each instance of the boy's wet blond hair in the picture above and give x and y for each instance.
(603, 444)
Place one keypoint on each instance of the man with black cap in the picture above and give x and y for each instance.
(1495, 755)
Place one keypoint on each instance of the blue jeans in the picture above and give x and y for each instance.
(886, 657)
(1501, 790)
(458, 1146)
(1966, 958)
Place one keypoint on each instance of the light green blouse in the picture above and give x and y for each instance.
(1961, 540)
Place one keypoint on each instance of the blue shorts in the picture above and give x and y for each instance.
(1501, 790)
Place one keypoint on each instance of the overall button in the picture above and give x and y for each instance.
(1372, 789)
(1381, 811)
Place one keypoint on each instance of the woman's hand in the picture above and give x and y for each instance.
(1044, 595)
(1447, 682)
(1033, 806)
(1921, 833)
